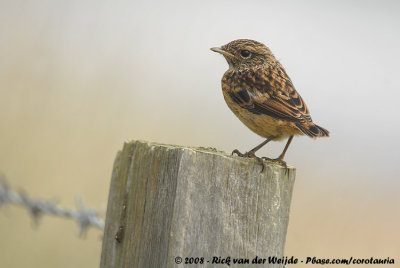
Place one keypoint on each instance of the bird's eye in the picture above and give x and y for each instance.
(245, 53)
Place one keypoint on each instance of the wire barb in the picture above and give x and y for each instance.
(84, 216)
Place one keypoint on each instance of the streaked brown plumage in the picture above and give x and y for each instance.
(261, 94)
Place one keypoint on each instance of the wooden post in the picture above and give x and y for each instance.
(167, 202)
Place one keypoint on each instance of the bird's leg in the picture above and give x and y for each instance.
(280, 158)
(252, 152)
(285, 149)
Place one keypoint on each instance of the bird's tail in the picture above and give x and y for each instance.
(312, 130)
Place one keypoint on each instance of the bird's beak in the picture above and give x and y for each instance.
(223, 52)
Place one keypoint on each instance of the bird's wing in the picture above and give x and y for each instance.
(274, 97)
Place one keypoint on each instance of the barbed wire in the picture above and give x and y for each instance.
(84, 216)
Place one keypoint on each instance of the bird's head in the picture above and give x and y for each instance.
(244, 54)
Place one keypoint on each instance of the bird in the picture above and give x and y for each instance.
(259, 92)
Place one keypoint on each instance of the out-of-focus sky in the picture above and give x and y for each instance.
(78, 78)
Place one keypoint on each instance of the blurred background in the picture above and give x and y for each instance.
(78, 78)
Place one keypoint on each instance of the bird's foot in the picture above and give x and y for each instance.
(276, 160)
(250, 154)
(236, 151)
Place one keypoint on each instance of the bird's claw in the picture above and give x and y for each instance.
(250, 154)
(236, 151)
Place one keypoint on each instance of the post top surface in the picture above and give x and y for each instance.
(208, 150)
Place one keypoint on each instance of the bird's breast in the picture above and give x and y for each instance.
(263, 125)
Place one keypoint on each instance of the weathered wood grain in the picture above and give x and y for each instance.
(167, 201)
